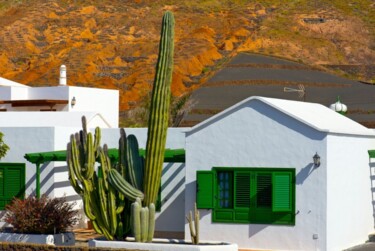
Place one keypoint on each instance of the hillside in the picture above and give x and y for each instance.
(113, 44)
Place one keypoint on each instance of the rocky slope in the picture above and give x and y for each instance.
(113, 44)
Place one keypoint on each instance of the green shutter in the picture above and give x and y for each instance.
(282, 192)
(205, 189)
(264, 190)
(12, 181)
(242, 189)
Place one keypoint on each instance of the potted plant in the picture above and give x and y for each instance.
(40, 220)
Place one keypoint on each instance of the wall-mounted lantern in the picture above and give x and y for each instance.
(316, 159)
(73, 102)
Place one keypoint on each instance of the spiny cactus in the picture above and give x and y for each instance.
(107, 194)
(194, 225)
(159, 111)
(103, 204)
(143, 221)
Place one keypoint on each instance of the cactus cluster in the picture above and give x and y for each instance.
(105, 191)
(142, 221)
(109, 190)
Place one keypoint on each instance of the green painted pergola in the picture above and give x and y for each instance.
(170, 156)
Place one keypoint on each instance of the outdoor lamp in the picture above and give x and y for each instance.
(339, 107)
(73, 102)
(316, 159)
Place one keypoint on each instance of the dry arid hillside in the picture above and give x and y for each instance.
(113, 44)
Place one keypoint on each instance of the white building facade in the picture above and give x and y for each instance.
(251, 171)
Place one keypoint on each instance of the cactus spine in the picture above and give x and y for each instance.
(159, 111)
(194, 225)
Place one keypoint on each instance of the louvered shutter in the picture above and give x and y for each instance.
(12, 182)
(205, 189)
(282, 192)
(242, 189)
(264, 190)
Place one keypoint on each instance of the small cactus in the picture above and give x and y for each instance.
(194, 225)
(143, 221)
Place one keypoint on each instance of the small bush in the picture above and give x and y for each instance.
(41, 216)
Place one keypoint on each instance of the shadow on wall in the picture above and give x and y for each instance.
(372, 178)
(304, 173)
(171, 218)
(52, 185)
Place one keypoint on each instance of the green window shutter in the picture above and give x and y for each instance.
(205, 189)
(12, 182)
(242, 189)
(282, 192)
(264, 190)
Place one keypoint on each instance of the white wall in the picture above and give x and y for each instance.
(256, 135)
(103, 101)
(349, 208)
(30, 140)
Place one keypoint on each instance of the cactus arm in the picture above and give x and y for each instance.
(151, 220)
(112, 210)
(134, 163)
(144, 223)
(90, 158)
(122, 186)
(87, 206)
(159, 111)
(71, 175)
(136, 220)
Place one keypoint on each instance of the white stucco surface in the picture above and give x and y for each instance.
(103, 102)
(51, 119)
(349, 200)
(263, 132)
(257, 135)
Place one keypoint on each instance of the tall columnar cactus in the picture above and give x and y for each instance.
(107, 193)
(159, 111)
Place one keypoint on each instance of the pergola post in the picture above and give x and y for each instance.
(37, 176)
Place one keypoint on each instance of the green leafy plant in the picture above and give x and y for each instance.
(41, 215)
(3, 147)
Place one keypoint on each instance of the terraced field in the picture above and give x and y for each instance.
(257, 75)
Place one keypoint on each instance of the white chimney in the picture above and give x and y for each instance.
(62, 75)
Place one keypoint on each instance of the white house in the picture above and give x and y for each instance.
(40, 120)
(250, 169)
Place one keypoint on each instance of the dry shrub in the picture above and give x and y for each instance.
(41, 215)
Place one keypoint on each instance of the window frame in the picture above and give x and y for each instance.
(253, 214)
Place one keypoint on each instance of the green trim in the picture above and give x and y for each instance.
(170, 155)
(371, 153)
(247, 207)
